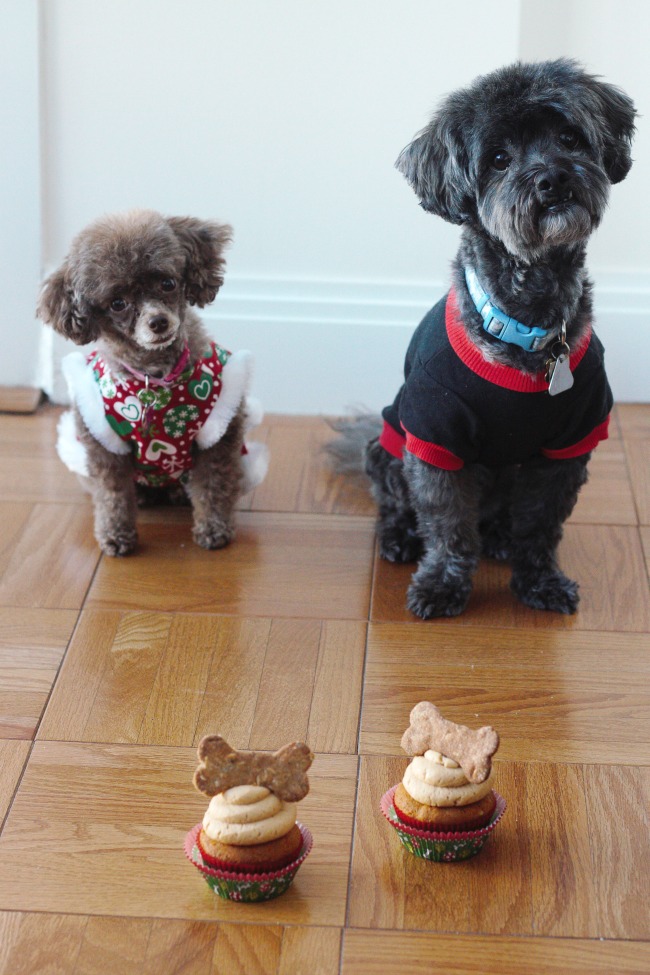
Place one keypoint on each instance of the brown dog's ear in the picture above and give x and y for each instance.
(204, 243)
(68, 314)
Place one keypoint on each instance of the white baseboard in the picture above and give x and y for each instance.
(326, 346)
(321, 347)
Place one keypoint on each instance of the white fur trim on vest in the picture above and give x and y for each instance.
(235, 379)
(86, 395)
(255, 464)
(71, 450)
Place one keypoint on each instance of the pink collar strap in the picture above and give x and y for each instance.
(167, 380)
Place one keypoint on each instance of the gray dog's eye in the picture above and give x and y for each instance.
(501, 160)
(168, 284)
(118, 304)
(569, 138)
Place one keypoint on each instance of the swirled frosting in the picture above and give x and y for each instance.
(435, 780)
(246, 815)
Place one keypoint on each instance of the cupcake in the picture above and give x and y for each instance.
(445, 807)
(249, 844)
(248, 828)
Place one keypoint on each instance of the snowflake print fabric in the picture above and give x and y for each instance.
(160, 423)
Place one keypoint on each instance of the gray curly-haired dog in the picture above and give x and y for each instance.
(158, 409)
(486, 445)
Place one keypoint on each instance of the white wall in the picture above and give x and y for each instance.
(20, 257)
(284, 117)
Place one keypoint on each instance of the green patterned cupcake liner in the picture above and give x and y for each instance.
(440, 847)
(246, 887)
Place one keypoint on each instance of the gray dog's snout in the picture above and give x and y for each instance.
(552, 185)
(159, 324)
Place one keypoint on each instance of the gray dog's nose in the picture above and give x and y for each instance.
(159, 324)
(552, 185)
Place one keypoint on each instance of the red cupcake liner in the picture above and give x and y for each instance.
(193, 854)
(387, 804)
(245, 868)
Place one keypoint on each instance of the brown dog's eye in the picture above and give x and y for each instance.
(569, 138)
(168, 284)
(501, 160)
(118, 304)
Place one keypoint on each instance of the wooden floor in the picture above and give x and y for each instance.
(112, 670)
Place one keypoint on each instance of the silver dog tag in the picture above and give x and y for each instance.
(560, 377)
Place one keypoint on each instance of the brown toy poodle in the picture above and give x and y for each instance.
(158, 408)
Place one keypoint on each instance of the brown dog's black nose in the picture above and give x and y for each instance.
(159, 324)
(552, 185)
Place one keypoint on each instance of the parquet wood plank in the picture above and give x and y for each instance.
(168, 680)
(288, 676)
(537, 875)
(562, 876)
(645, 542)
(634, 420)
(300, 478)
(141, 657)
(109, 944)
(314, 951)
(32, 643)
(606, 560)
(338, 685)
(606, 498)
(93, 945)
(50, 561)
(638, 462)
(565, 696)
(38, 475)
(19, 399)
(306, 566)
(619, 824)
(98, 829)
(247, 948)
(391, 888)
(171, 718)
(34, 943)
(13, 755)
(366, 953)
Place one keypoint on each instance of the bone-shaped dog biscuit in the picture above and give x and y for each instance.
(473, 750)
(283, 772)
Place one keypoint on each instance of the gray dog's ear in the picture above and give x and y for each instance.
(203, 243)
(436, 166)
(615, 114)
(65, 311)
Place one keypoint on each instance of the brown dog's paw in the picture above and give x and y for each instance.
(213, 536)
(118, 543)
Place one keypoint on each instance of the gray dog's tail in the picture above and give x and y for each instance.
(347, 452)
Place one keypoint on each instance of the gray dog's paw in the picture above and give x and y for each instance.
(553, 591)
(400, 546)
(438, 599)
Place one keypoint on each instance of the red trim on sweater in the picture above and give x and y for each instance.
(392, 441)
(584, 446)
(432, 453)
(395, 443)
(500, 375)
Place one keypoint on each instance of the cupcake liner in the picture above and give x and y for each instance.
(246, 887)
(440, 847)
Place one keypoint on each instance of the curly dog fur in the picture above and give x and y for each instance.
(127, 285)
(523, 160)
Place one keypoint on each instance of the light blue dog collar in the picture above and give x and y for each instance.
(501, 326)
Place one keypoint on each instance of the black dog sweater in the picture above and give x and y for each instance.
(455, 408)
